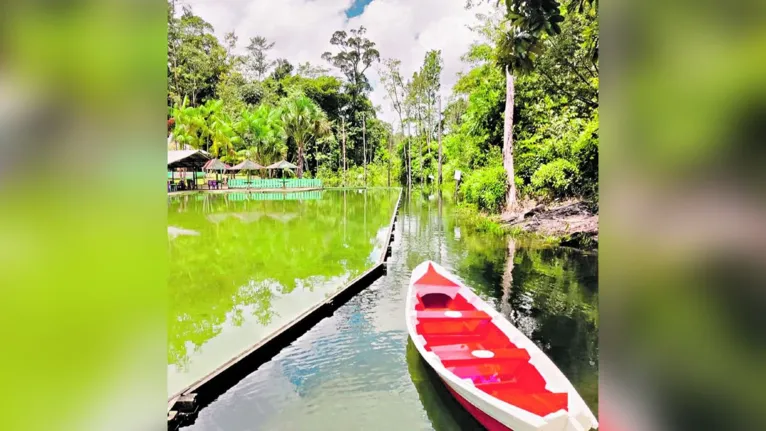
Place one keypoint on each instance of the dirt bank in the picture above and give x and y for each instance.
(576, 223)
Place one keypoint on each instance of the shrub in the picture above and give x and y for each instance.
(471, 219)
(329, 177)
(486, 187)
(585, 151)
(554, 179)
(377, 175)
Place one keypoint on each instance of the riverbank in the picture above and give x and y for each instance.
(571, 224)
(574, 223)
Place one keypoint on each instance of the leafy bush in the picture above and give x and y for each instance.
(486, 187)
(585, 152)
(377, 175)
(329, 177)
(471, 219)
(554, 179)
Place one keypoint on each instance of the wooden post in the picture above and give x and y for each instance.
(390, 142)
(343, 122)
(364, 148)
(409, 157)
(440, 142)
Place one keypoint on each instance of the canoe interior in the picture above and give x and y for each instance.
(471, 346)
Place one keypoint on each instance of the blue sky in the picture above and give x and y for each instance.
(357, 8)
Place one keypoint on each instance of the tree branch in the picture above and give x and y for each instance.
(561, 89)
(576, 72)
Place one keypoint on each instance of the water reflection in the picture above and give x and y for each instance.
(444, 412)
(357, 369)
(241, 263)
(550, 294)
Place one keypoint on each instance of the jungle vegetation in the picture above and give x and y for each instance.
(521, 123)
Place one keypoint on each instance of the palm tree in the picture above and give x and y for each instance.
(305, 122)
(223, 137)
(188, 123)
(213, 128)
(263, 135)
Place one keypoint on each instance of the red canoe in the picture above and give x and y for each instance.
(498, 374)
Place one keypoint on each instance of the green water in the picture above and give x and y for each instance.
(244, 264)
(357, 369)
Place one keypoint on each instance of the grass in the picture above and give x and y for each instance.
(488, 223)
(479, 221)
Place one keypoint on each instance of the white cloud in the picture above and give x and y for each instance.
(403, 29)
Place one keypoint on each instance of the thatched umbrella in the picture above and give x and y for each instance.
(215, 165)
(283, 164)
(249, 166)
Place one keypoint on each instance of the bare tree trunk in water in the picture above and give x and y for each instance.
(428, 136)
(420, 153)
(343, 125)
(505, 304)
(440, 142)
(510, 198)
(364, 149)
(390, 150)
(409, 158)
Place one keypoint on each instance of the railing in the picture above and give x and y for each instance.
(293, 183)
(294, 196)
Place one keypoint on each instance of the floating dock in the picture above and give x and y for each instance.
(184, 406)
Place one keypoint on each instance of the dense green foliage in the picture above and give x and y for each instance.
(555, 129)
(486, 187)
(253, 106)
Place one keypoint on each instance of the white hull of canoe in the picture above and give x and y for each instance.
(578, 416)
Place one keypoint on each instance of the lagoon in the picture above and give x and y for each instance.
(242, 265)
(358, 370)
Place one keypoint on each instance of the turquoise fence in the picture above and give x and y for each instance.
(177, 175)
(292, 183)
(295, 196)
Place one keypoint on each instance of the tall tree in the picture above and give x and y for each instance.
(304, 122)
(282, 69)
(357, 54)
(258, 59)
(196, 59)
(439, 122)
(230, 40)
(524, 26)
(396, 93)
(174, 40)
(430, 75)
(307, 70)
(415, 97)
